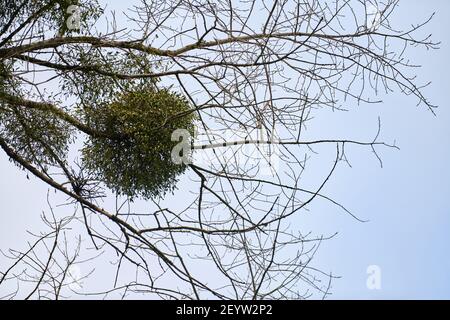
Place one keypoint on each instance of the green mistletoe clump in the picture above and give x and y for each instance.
(132, 156)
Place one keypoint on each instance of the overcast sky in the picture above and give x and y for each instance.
(406, 201)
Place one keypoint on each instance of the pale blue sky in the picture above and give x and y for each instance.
(407, 201)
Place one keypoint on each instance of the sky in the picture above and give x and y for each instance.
(406, 201)
(406, 240)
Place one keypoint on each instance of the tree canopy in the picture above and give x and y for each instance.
(89, 99)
